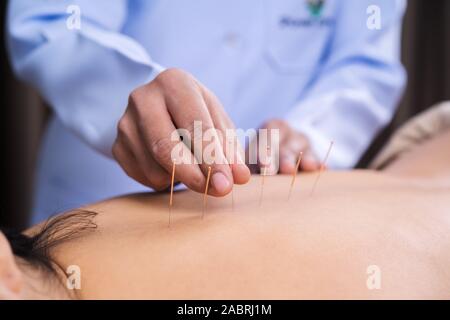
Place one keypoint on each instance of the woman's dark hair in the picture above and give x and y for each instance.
(35, 249)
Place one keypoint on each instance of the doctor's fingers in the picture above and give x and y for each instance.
(291, 149)
(129, 163)
(188, 110)
(292, 143)
(152, 135)
(148, 143)
(310, 162)
(131, 153)
(269, 144)
(164, 148)
(232, 148)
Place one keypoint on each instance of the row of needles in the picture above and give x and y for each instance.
(264, 173)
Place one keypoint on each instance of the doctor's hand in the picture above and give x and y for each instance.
(292, 143)
(143, 147)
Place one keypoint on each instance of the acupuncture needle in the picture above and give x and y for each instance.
(232, 199)
(171, 192)
(206, 192)
(262, 186)
(322, 168)
(264, 178)
(294, 175)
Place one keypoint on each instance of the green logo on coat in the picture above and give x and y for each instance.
(315, 7)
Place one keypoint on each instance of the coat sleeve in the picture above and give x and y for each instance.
(76, 56)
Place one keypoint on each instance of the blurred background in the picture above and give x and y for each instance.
(426, 55)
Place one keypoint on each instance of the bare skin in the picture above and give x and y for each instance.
(316, 246)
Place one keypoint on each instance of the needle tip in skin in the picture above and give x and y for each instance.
(322, 168)
(171, 191)
(205, 195)
(294, 174)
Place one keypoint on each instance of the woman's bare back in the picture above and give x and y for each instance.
(313, 246)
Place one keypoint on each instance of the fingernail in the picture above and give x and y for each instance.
(220, 182)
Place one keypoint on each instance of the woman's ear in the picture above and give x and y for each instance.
(11, 279)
